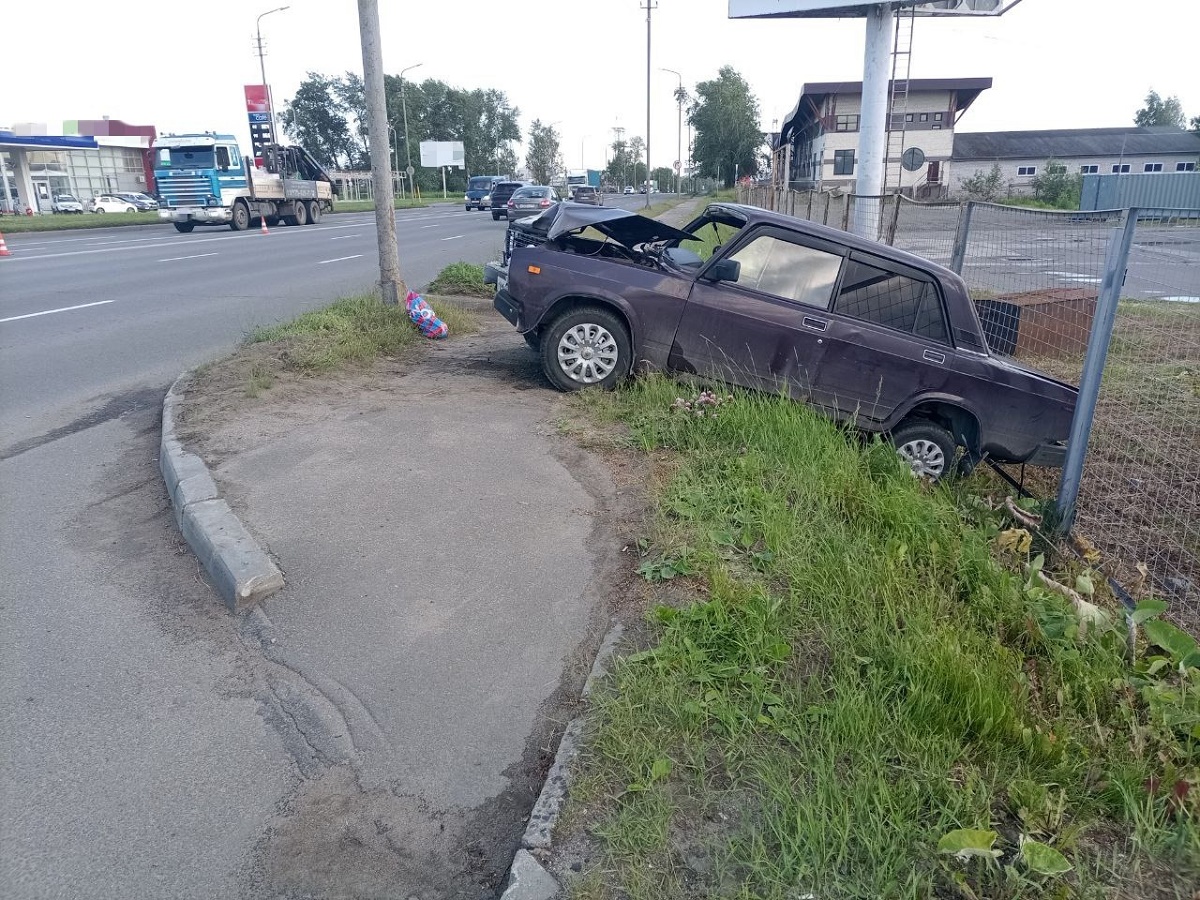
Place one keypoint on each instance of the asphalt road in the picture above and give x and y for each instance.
(134, 762)
(85, 315)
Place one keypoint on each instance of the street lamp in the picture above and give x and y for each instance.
(678, 125)
(262, 68)
(404, 106)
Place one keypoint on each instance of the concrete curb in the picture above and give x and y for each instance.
(242, 573)
(527, 878)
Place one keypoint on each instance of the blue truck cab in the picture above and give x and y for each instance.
(198, 177)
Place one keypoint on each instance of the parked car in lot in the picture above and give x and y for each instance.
(585, 193)
(143, 202)
(629, 189)
(107, 203)
(531, 200)
(872, 335)
(65, 203)
(501, 193)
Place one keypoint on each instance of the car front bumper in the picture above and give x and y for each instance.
(508, 306)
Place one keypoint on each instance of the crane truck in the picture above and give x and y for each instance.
(204, 179)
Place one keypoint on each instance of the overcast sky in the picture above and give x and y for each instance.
(580, 63)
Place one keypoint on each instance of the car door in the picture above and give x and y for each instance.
(764, 331)
(887, 339)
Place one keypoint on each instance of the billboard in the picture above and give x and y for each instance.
(257, 98)
(435, 154)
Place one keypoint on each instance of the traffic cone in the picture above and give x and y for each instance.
(263, 219)
(4, 251)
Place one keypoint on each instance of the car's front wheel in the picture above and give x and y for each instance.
(927, 447)
(586, 347)
(185, 227)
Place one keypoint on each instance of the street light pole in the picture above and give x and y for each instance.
(650, 7)
(404, 108)
(678, 128)
(262, 68)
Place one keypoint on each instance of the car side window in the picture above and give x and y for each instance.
(788, 271)
(886, 298)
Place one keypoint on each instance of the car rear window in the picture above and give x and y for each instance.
(895, 301)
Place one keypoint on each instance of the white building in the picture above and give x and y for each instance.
(818, 142)
(1023, 155)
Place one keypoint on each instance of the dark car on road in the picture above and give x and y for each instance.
(585, 193)
(869, 334)
(501, 193)
(531, 200)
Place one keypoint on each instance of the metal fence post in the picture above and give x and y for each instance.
(1115, 263)
(959, 254)
(850, 199)
(893, 222)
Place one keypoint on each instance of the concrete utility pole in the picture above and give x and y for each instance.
(678, 128)
(262, 68)
(872, 135)
(391, 287)
(649, 7)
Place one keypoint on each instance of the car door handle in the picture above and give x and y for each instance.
(815, 324)
(934, 357)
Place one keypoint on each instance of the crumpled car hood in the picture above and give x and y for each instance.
(621, 225)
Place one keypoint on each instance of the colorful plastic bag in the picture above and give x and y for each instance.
(424, 318)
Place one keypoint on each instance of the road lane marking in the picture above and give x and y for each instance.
(196, 256)
(339, 259)
(342, 237)
(431, 226)
(47, 312)
(453, 237)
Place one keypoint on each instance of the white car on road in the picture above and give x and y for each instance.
(107, 203)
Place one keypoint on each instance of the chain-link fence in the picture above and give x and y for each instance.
(1037, 277)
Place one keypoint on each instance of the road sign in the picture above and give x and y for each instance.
(913, 158)
(411, 171)
(678, 165)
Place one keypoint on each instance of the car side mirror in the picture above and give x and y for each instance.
(725, 270)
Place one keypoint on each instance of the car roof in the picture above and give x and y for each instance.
(756, 216)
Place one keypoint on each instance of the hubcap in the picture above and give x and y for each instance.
(925, 457)
(587, 353)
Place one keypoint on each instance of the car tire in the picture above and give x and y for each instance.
(185, 227)
(495, 217)
(131, 209)
(468, 207)
(588, 346)
(314, 212)
(926, 446)
(98, 211)
(240, 220)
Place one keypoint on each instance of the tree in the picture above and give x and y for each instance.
(1054, 186)
(352, 97)
(637, 161)
(618, 169)
(981, 186)
(726, 118)
(1158, 111)
(543, 159)
(315, 119)
(1194, 125)
(665, 178)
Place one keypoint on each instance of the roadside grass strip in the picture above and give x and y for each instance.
(23, 224)
(348, 206)
(352, 331)
(461, 278)
(861, 694)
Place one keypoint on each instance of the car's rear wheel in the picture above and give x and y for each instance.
(314, 212)
(586, 347)
(98, 210)
(495, 217)
(184, 227)
(927, 447)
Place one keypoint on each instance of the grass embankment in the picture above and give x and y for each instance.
(21, 224)
(857, 680)
(351, 333)
(461, 278)
(347, 206)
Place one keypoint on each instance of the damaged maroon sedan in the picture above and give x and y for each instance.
(868, 334)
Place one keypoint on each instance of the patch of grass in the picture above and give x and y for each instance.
(20, 224)
(858, 675)
(347, 206)
(461, 278)
(260, 379)
(352, 332)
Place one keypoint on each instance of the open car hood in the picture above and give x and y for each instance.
(621, 225)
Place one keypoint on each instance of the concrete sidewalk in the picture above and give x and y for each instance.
(447, 556)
